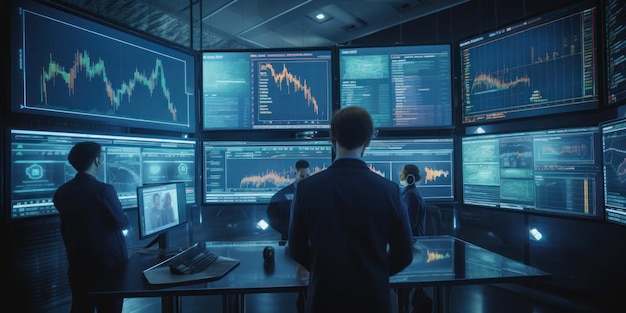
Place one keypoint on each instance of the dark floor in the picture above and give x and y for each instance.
(509, 298)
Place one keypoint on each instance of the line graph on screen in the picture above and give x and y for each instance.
(93, 70)
(76, 68)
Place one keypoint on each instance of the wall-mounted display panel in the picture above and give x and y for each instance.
(38, 162)
(616, 50)
(433, 156)
(552, 171)
(271, 89)
(253, 171)
(541, 66)
(67, 66)
(614, 168)
(401, 86)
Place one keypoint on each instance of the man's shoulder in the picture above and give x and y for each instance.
(287, 189)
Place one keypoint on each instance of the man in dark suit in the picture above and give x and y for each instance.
(349, 227)
(92, 221)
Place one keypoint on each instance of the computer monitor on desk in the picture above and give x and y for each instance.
(161, 207)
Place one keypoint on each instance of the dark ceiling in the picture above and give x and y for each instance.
(240, 24)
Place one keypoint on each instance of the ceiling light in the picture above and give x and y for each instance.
(319, 16)
(535, 234)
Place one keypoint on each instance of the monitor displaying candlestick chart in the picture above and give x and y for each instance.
(541, 66)
(615, 19)
(401, 86)
(614, 151)
(555, 171)
(67, 66)
(253, 171)
(39, 165)
(272, 89)
(433, 156)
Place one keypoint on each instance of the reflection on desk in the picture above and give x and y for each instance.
(449, 260)
(439, 261)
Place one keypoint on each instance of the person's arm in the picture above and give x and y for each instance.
(275, 220)
(400, 242)
(114, 206)
(278, 213)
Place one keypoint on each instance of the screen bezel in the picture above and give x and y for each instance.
(147, 191)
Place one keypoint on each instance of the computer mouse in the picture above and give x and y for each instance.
(268, 254)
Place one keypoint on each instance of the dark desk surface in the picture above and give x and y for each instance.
(438, 261)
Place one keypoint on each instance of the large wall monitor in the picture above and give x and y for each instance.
(272, 89)
(401, 86)
(253, 171)
(541, 66)
(433, 156)
(552, 171)
(67, 66)
(616, 50)
(614, 150)
(39, 165)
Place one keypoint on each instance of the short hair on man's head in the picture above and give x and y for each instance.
(352, 127)
(412, 169)
(302, 164)
(83, 154)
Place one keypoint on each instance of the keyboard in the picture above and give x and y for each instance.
(192, 260)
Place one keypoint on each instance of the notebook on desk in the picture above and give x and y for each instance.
(160, 274)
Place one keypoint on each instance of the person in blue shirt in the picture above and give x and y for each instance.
(349, 227)
(278, 209)
(410, 176)
(92, 221)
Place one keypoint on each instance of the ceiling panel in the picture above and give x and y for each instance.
(237, 24)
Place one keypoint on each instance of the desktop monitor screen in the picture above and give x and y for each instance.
(614, 151)
(253, 171)
(541, 66)
(160, 208)
(271, 89)
(67, 66)
(38, 163)
(433, 157)
(615, 19)
(401, 86)
(555, 171)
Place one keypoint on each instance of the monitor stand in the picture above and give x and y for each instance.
(163, 242)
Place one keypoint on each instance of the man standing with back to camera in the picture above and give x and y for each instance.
(349, 227)
(92, 221)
